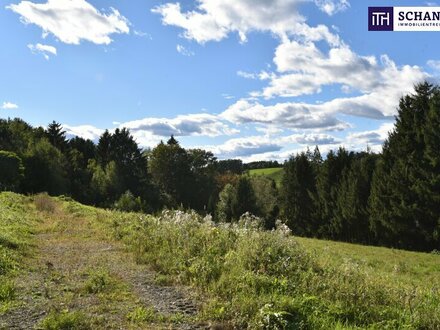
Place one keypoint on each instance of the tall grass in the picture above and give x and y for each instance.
(260, 279)
(16, 225)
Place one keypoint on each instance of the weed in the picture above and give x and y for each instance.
(7, 290)
(142, 314)
(44, 203)
(98, 281)
(66, 320)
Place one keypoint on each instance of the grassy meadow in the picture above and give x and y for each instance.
(17, 223)
(275, 173)
(246, 277)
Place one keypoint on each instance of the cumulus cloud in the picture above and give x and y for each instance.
(72, 21)
(259, 147)
(85, 131)
(183, 125)
(373, 138)
(214, 20)
(243, 147)
(9, 106)
(44, 50)
(304, 69)
(287, 115)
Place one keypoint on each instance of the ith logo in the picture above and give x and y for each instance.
(380, 18)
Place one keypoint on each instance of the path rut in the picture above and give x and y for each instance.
(69, 255)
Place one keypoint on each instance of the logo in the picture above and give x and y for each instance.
(380, 18)
(403, 18)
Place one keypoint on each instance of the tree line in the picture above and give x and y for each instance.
(391, 198)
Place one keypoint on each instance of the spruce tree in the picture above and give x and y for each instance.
(405, 190)
(298, 185)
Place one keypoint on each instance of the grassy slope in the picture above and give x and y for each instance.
(275, 173)
(269, 280)
(17, 223)
(61, 269)
(407, 267)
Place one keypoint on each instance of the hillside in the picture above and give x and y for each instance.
(64, 264)
(275, 174)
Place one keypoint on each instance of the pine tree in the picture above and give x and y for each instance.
(351, 218)
(56, 136)
(298, 186)
(324, 198)
(405, 191)
(244, 199)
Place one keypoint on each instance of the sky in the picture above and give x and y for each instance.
(248, 79)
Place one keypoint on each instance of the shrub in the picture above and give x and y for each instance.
(44, 203)
(128, 203)
(65, 320)
(98, 282)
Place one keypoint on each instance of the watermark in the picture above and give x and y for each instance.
(403, 18)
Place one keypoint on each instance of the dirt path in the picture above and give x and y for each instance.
(74, 268)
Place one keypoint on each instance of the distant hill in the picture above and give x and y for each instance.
(275, 173)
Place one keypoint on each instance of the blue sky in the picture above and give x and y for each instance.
(254, 79)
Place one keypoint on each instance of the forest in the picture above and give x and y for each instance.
(388, 199)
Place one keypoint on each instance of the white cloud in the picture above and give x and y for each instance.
(44, 50)
(183, 125)
(214, 20)
(247, 75)
(286, 115)
(304, 69)
(434, 65)
(184, 51)
(331, 7)
(9, 106)
(243, 147)
(85, 131)
(259, 147)
(72, 21)
(373, 138)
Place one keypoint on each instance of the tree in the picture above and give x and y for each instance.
(106, 182)
(171, 171)
(56, 136)
(203, 184)
(267, 199)
(45, 169)
(298, 185)
(12, 171)
(232, 166)
(405, 191)
(103, 148)
(351, 218)
(328, 179)
(128, 203)
(244, 199)
(224, 210)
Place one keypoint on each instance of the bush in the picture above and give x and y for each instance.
(65, 320)
(44, 203)
(128, 203)
(265, 280)
(12, 170)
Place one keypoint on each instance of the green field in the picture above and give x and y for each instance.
(275, 173)
(241, 276)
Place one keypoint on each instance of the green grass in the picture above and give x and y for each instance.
(275, 173)
(258, 279)
(270, 280)
(65, 320)
(17, 221)
(400, 266)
